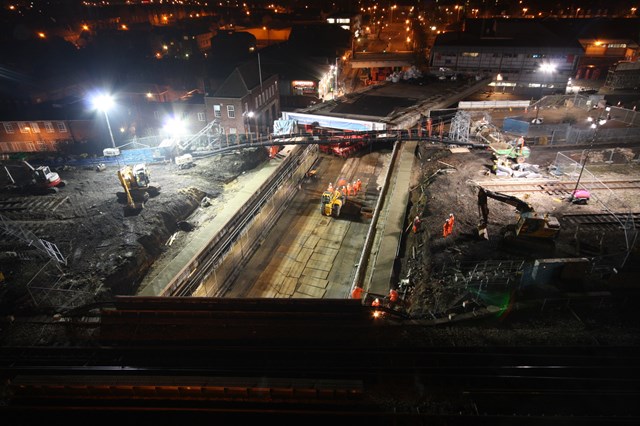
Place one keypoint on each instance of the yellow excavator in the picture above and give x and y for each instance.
(135, 182)
(529, 225)
(332, 202)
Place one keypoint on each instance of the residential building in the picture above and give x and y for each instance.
(247, 102)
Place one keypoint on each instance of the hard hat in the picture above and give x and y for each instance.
(450, 214)
(417, 217)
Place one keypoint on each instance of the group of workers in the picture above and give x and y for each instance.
(447, 228)
(390, 301)
(350, 189)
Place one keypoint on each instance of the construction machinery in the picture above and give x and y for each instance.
(37, 180)
(135, 182)
(529, 224)
(332, 202)
(513, 150)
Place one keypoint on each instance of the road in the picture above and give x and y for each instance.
(306, 254)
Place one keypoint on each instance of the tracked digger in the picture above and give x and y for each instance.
(530, 226)
(137, 190)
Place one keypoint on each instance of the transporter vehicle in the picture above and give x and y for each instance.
(529, 225)
(332, 202)
(135, 182)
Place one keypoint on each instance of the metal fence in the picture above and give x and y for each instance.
(568, 168)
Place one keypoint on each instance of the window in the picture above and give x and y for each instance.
(616, 46)
(256, 99)
(24, 127)
(34, 127)
(48, 127)
(233, 131)
(216, 111)
(231, 111)
(201, 116)
(470, 54)
(8, 127)
(61, 127)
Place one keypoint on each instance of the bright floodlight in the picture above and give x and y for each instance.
(548, 68)
(175, 127)
(102, 102)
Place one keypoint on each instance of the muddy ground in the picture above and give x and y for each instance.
(107, 251)
(434, 268)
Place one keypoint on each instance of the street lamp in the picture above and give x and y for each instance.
(104, 103)
(248, 116)
(595, 125)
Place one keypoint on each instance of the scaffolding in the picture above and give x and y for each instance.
(459, 128)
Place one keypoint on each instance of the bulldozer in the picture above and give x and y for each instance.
(529, 225)
(332, 202)
(135, 182)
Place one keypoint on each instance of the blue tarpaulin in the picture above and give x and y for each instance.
(515, 126)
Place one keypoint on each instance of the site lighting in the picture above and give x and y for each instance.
(104, 103)
(547, 68)
(175, 127)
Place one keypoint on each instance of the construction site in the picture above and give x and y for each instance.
(502, 225)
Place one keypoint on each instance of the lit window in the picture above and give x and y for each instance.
(216, 111)
(231, 111)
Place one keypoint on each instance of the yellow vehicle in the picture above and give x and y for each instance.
(529, 225)
(332, 202)
(135, 182)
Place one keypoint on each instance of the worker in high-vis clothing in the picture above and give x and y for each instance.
(417, 224)
(357, 185)
(393, 297)
(356, 293)
(447, 228)
(330, 187)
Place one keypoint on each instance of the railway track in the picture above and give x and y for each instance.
(545, 384)
(605, 220)
(555, 187)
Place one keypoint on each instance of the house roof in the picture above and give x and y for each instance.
(241, 81)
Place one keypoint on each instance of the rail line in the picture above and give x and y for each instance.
(612, 220)
(543, 383)
(555, 187)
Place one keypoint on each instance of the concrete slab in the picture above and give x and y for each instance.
(316, 273)
(310, 291)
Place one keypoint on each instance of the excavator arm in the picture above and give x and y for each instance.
(483, 207)
(530, 224)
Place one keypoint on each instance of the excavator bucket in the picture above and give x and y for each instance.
(482, 232)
